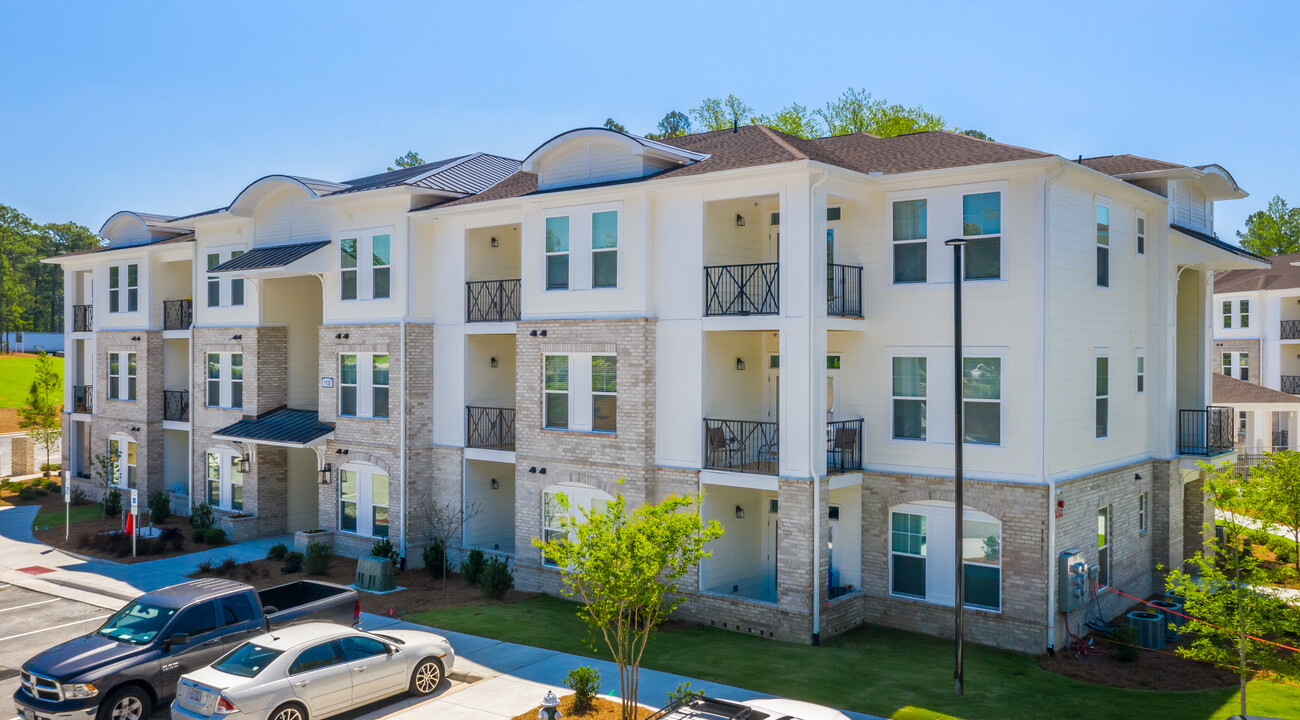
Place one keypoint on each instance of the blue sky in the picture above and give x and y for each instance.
(174, 107)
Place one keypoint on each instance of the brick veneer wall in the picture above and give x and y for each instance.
(149, 443)
(1250, 347)
(149, 376)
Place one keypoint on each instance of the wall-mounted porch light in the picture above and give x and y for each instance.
(494, 362)
(740, 363)
(325, 473)
(740, 220)
(495, 485)
(1137, 476)
(236, 337)
(244, 463)
(740, 512)
(495, 243)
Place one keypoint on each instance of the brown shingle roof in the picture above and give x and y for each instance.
(1280, 276)
(755, 145)
(1127, 164)
(104, 248)
(1231, 391)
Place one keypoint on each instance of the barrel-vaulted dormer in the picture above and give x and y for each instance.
(587, 156)
(127, 228)
(282, 208)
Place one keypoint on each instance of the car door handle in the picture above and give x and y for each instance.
(211, 642)
(360, 669)
(301, 684)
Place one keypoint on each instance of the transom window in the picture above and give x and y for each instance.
(363, 500)
(982, 227)
(1103, 245)
(982, 400)
(910, 239)
(124, 287)
(909, 388)
(121, 375)
(225, 379)
(581, 392)
(363, 385)
(224, 290)
(225, 481)
(581, 248)
(365, 266)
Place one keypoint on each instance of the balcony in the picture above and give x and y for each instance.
(1206, 432)
(1291, 384)
(83, 318)
(750, 289)
(492, 301)
(844, 291)
(742, 446)
(178, 314)
(490, 428)
(1291, 329)
(176, 405)
(844, 446)
(83, 399)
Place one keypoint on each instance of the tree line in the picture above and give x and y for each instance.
(31, 292)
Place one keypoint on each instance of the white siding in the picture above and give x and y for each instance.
(588, 160)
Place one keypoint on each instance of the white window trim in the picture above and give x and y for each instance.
(1002, 415)
(1001, 235)
(225, 379)
(1110, 372)
(366, 474)
(890, 199)
(123, 290)
(1140, 249)
(365, 385)
(923, 398)
(225, 281)
(921, 508)
(1144, 511)
(580, 253)
(366, 267)
(226, 478)
(944, 220)
(581, 396)
(1140, 371)
(122, 445)
(1100, 202)
(124, 376)
(1243, 316)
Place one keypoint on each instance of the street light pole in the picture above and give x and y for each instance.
(959, 440)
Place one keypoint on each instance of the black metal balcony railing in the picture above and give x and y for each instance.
(82, 399)
(176, 405)
(1291, 384)
(1290, 329)
(742, 446)
(83, 317)
(742, 289)
(844, 445)
(492, 301)
(178, 314)
(844, 290)
(490, 428)
(1211, 431)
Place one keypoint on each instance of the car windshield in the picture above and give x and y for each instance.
(138, 623)
(247, 660)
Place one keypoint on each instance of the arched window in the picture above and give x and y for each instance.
(122, 449)
(582, 498)
(224, 484)
(363, 500)
(921, 554)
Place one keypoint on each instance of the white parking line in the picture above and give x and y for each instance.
(56, 627)
(19, 607)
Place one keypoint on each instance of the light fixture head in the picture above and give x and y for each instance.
(244, 464)
(533, 334)
(543, 333)
(495, 485)
(740, 220)
(533, 469)
(955, 242)
(495, 243)
(325, 473)
(740, 512)
(494, 362)
(740, 363)
(1137, 476)
(541, 471)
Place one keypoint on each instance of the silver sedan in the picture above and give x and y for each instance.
(311, 671)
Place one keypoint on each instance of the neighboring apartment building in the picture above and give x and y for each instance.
(759, 318)
(1257, 340)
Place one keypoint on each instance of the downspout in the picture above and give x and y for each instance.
(401, 443)
(1043, 469)
(812, 398)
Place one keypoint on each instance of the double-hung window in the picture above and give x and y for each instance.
(581, 392)
(225, 379)
(1142, 512)
(907, 554)
(982, 227)
(981, 382)
(982, 563)
(124, 287)
(604, 249)
(363, 385)
(225, 481)
(1241, 315)
(1102, 413)
(557, 253)
(1141, 232)
(365, 266)
(224, 290)
(909, 389)
(1237, 365)
(121, 376)
(363, 500)
(910, 238)
(581, 248)
(1103, 245)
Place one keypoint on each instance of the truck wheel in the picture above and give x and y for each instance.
(128, 703)
(288, 711)
(427, 676)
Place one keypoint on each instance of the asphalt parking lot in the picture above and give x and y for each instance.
(31, 622)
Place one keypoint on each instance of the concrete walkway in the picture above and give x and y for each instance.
(505, 678)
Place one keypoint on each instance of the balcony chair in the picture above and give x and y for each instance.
(717, 442)
(842, 447)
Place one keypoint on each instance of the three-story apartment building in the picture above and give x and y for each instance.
(761, 319)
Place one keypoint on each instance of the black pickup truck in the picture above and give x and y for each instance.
(131, 663)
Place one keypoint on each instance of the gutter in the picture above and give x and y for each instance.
(1043, 314)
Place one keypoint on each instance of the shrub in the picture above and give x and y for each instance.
(227, 566)
(172, 536)
(87, 539)
(384, 549)
(79, 496)
(160, 506)
(1283, 548)
(472, 568)
(201, 516)
(292, 563)
(277, 551)
(205, 567)
(318, 557)
(435, 559)
(682, 693)
(112, 502)
(215, 536)
(31, 493)
(1126, 643)
(51, 467)
(199, 535)
(585, 683)
(497, 578)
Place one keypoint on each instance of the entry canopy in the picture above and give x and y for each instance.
(283, 427)
(279, 260)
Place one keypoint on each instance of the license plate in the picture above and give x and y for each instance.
(196, 696)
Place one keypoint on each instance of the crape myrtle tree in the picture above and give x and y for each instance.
(624, 566)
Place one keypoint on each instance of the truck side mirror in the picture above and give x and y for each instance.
(178, 639)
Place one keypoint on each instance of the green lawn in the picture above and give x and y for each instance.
(56, 518)
(16, 374)
(872, 669)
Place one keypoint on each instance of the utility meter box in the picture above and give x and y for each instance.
(1072, 580)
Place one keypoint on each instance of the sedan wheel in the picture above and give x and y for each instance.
(426, 677)
(288, 712)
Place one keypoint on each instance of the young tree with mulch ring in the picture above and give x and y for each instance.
(40, 416)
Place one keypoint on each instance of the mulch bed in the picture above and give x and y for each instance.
(1153, 670)
(602, 709)
(420, 591)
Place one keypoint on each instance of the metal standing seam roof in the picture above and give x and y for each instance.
(285, 425)
(270, 257)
